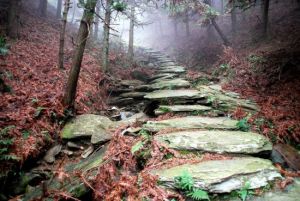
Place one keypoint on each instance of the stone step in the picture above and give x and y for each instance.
(233, 142)
(222, 176)
(226, 100)
(179, 94)
(192, 122)
(170, 84)
(162, 109)
(172, 69)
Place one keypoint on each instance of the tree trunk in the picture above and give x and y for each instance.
(131, 34)
(224, 38)
(62, 35)
(13, 19)
(233, 18)
(187, 24)
(222, 7)
(265, 17)
(175, 27)
(58, 9)
(43, 8)
(74, 11)
(105, 56)
(83, 33)
(96, 28)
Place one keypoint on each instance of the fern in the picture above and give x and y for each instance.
(5, 143)
(185, 182)
(243, 125)
(198, 194)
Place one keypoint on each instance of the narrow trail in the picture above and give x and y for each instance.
(187, 117)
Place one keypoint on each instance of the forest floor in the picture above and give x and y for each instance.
(31, 111)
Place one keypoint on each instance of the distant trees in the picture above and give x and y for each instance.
(43, 4)
(83, 32)
(58, 8)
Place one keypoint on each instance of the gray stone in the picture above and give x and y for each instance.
(88, 125)
(51, 153)
(223, 176)
(181, 108)
(290, 194)
(173, 83)
(216, 141)
(226, 101)
(192, 122)
(133, 95)
(174, 94)
(172, 69)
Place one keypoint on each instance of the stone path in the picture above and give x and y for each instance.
(202, 127)
(207, 134)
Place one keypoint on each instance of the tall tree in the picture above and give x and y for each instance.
(14, 18)
(131, 35)
(233, 17)
(58, 9)
(265, 17)
(96, 28)
(187, 24)
(43, 8)
(106, 28)
(62, 34)
(83, 33)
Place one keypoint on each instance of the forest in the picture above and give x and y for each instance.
(150, 100)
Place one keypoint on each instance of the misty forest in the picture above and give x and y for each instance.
(150, 100)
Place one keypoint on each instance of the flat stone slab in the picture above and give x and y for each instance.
(181, 108)
(172, 69)
(217, 141)
(222, 176)
(133, 95)
(163, 75)
(192, 122)
(174, 94)
(88, 125)
(131, 82)
(173, 83)
(226, 100)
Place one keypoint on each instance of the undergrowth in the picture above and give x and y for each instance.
(185, 183)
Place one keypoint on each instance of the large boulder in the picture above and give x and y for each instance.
(222, 176)
(192, 122)
(88, 125)
(216, 141)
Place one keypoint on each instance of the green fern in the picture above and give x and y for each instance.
(243, 125)
(184, 182)
(198, 194)
(5, 143)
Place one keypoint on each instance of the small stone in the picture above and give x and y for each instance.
(88, 151)
(51, 153)
(74, 146)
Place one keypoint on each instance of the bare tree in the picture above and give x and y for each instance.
(62, 35)
(83, 33)
(187, 24)
(233, 17)
(58, 9)
(265, 17)
(43, 8)
(96, 28)
(106, 28)
(14, 18)
(131, 34)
